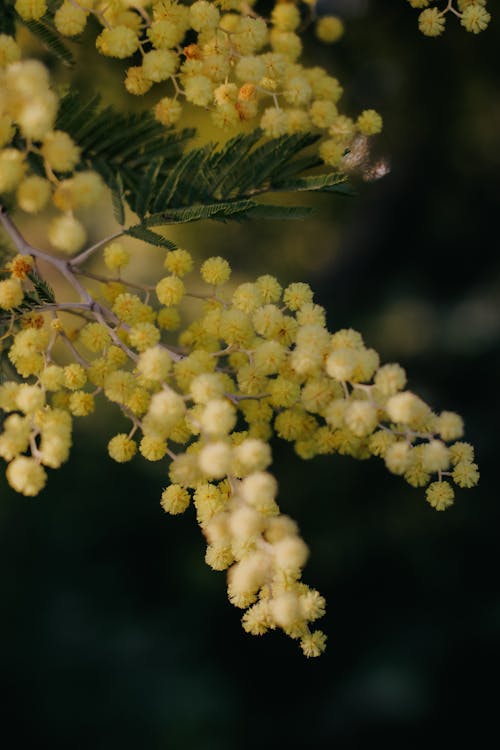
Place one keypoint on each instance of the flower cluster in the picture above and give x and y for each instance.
(472, 14)
(225, 58)
(28, 139)
(257, 361)
(204, 392)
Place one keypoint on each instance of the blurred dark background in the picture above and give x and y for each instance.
(114, 633)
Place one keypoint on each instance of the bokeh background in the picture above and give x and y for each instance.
(114, 633)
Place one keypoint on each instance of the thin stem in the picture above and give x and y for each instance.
(82, 257)
(106, 280)
(25, 248)
(79, 358)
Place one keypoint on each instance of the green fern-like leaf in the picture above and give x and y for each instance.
(147, 187)
(266, 161)
(320, 182)
(144, 166)
(117, 197)
(114, 143)
(50, 39)
(264, 211)
(44, 291)
(212, 177)
(140, 232)
(220, 211)
(185, 183)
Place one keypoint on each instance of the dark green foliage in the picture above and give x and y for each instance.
(117, 197)
(45, 31)
(42, 289)
(143, 164)
(221, 211)
(42, 294)
(209, 182)
(7, 17)
(331, 183)
(121, 147)
(141, 232)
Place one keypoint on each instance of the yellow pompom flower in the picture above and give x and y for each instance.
(12, 169)
(81, 404)
(431, 22)
(119, 386)
(207, 386)
(369, 122)
(30, 398)
(269, 288)
(218, 417)
(286, 43)
(52, 378)
(179, 262)
(390, 379)
(119, 41)
(332, 152)
(466, 474)
(461, 452)
(450, 425)
(475, 18)
(75, 376)
(235, 328)
(250, 69)
(20, 266)
(25, 475)
(323, 113)
(361, 418)
(203, 15)
(66, 234)
(274, 122)
(9, 51)
(121, 448)
(69, 19)
(159, 64)
(31, 10)
(151, 449)
(341, 364)
(175, 499)
(168, 319)
(170, 290)
(435, 456)
(252, 455)
(116, 256)
(59, 149)
(136, 82)
(127, 307)
(285, 16)
(139, 401)
(406, 408)
(168, 111)
(95, 337)
(397, 457)
(297, 295)
(440, 495)
(313, 644)
(329, 29)
(155, 364)
(215, 271)
(165, 33)
(198, 89)
(143, 336)
(11, 294)
(33, 194)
